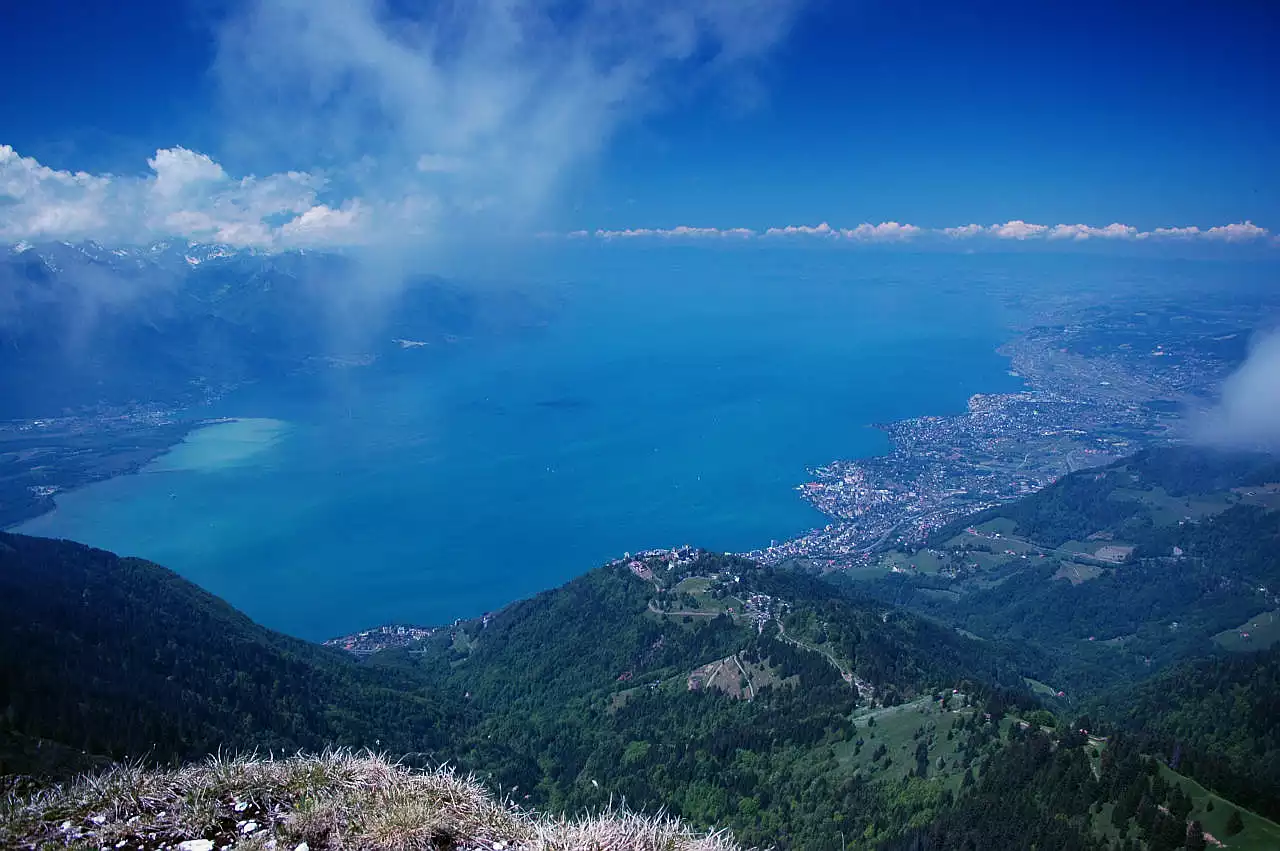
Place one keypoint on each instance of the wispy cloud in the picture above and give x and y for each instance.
(467, 113)
(399, 122)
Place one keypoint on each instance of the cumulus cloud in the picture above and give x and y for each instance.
(823, 229)
(963, 231)
(883, 232)
(1018, 229)
(1248, 412)
(39, 200)
(1171, 233)
(185, 194)
(1239, 232)
(1114, 230)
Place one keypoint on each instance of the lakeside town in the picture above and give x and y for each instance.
(369, 641)
(1094, 393)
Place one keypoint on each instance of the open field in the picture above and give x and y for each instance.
(1077, 573)
(900, 729)
(1259, 834)
(1266, 496)
(1257, 633)
(1040, 688)
(1003, 525)
(1165, 510)
(734, 677)
(924, 561)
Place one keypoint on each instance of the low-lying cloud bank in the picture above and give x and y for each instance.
(1239, 232)
(188, 195)
(1247, 415)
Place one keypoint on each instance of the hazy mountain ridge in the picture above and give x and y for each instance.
(85, 325)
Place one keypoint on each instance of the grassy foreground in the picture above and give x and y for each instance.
(335, 800)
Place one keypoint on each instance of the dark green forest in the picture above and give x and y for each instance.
(1184, 582)
(1216, 719)
(120, 657)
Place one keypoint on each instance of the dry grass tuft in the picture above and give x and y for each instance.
(334, 801)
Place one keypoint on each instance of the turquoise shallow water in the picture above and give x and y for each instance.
(674, 398)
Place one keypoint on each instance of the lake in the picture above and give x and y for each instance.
(676, 396)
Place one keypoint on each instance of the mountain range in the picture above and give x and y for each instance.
(84, 325)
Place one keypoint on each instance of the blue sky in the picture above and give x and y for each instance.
(934, 114)
(940, 113)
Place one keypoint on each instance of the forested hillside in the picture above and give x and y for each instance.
(1110, 575)
(1216, 719)
(591, 692)
(584, 694)
(796, 711)
(121, 657)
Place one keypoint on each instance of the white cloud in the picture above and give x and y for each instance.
(178, 170)
(35, 200)
(678, 232)
(823, 229)
(963, 231)
(1238, 232)
(883, 232)
(629, 233)
(1171, 233)
(186, 195)
(324, 225)
(1114, 230)
(1018, 229)
(1248, 411)
(713, 233)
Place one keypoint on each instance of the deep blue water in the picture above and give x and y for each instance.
(675, 397)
